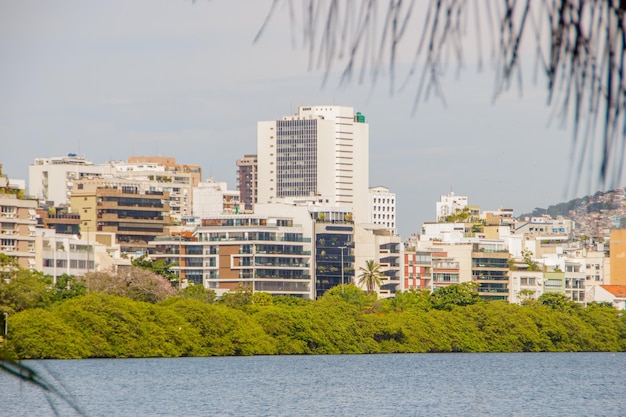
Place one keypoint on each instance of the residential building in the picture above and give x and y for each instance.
(18, 220)
(614, 294)
(59, 220)
(490, 269)
(554, 281)
(320, 153)
(51, 179)
(163, 174)
(378, 244)
(333, 233)
(134, 214)
(449, 204)
(575, 278)
(212, 198)
(417, 269)
(382, 208)
(525, 285)
(247, 181)
(58, 254)
(266, 253)
(618, 256)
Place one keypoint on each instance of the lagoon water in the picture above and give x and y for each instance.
(511, 384)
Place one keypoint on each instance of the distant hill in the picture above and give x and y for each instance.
(603, 210)
(610, 200)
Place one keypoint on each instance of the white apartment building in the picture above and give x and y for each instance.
(58, 254)
(321, 152)
(382, 208)
(448, 204)
(51, 179)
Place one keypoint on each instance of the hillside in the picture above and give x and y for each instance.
(595, 215)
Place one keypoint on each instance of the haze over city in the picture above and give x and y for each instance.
(184, 79)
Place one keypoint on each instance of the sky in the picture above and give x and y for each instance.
(112, 79)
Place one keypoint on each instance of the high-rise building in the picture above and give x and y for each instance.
(247, 168)
(321, 154)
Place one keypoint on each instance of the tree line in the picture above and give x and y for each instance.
(131, 316)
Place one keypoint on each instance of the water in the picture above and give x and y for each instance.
(512, 384)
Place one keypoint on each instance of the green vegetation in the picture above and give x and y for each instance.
(371, 276)
(76, 320)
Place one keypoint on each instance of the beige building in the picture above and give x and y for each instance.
(18, 220)
(135, 215)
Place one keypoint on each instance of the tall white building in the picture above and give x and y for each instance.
(382, 208)
(321, 153)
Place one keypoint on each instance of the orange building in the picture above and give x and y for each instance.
(618, 257)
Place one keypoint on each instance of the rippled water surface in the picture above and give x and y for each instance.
(517, 384)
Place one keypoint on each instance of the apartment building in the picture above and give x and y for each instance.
(617, 246)
(51, 179)
(60, 221)
(163, 174)
(134, 214)
(382, 208)
(333, 234)
(266, 253)
(212, 198)
(490, 269)
(449, 204)
(59, 254)
(377, 243)
(525, 285)
(247, 181)
(321, 153)
(18, 220)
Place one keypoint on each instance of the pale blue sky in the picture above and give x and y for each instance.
(111, 79)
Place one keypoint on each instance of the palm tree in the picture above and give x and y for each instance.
(371, 275)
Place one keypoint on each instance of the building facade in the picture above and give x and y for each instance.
(247, 181)
(449, 204)
(321, 153)
(18, 220)
(135, 215)
(382, 208)
(268, 254)
(51, 179)
(212, 198)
